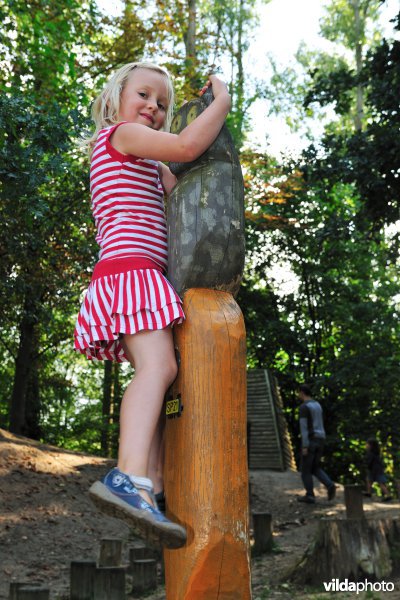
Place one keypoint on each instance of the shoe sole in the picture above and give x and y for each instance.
(170, 535)
(306, 501)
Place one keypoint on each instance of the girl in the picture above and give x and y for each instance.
(130, 306)
(375, 469)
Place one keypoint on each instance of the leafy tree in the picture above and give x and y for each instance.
(346, 22)
(40, 45)
(337, 325)
(41, 245)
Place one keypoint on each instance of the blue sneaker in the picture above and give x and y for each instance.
(118, 496)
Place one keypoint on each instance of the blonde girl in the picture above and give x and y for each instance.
(130, 306)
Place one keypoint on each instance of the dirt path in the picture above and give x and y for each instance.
(47, 520)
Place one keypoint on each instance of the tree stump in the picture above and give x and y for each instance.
(354, 549)
(82, 579)
(109, 583)
(110, 552)
(262, 528)
(206, 479)
(144, 573)
(354, 502)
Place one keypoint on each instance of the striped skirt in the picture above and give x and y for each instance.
(124, 303)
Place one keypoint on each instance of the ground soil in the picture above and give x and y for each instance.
(47, 520)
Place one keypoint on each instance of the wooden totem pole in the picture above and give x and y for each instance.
(206, 479)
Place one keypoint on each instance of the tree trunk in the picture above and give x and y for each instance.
(359, 27)
(239, 108)
(190, 36)
(23, 365)
(190, 45)
(354, 549)
(32, 427)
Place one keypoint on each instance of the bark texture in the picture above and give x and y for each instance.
(354, 548)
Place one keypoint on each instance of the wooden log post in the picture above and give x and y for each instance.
(206, 476)
(354, 502)
(109, 583)
(110, 552)
(262, 529)
(144, 575)
(33, 593)
(82, 579)
(15, 586)
(140, 551)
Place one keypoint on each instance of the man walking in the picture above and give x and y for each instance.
(312, 446)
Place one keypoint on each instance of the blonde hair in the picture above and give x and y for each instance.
(105, 108)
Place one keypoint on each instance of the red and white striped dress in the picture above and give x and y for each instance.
(128, 292)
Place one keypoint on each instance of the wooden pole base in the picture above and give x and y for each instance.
(206, 477)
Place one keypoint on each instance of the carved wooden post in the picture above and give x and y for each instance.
(206, 477)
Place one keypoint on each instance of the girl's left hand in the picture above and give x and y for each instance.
(205, 88)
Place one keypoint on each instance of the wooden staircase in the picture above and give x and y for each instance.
(269, 441)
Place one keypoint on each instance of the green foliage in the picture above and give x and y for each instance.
(338, 327)
(39, 47)
(338, 22)
(369, 158)
(43, 242)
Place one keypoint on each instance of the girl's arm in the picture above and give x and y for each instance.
(140, 140)
(168, 179)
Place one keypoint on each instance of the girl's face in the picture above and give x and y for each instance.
(144, 98)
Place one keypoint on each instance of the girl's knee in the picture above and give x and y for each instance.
(170, 370)
(165, 369)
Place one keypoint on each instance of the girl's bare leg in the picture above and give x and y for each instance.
(156, 457)
(153, 356)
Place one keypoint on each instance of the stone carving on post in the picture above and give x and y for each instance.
(206, 479)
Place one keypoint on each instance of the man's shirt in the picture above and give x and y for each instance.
(311, 422)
